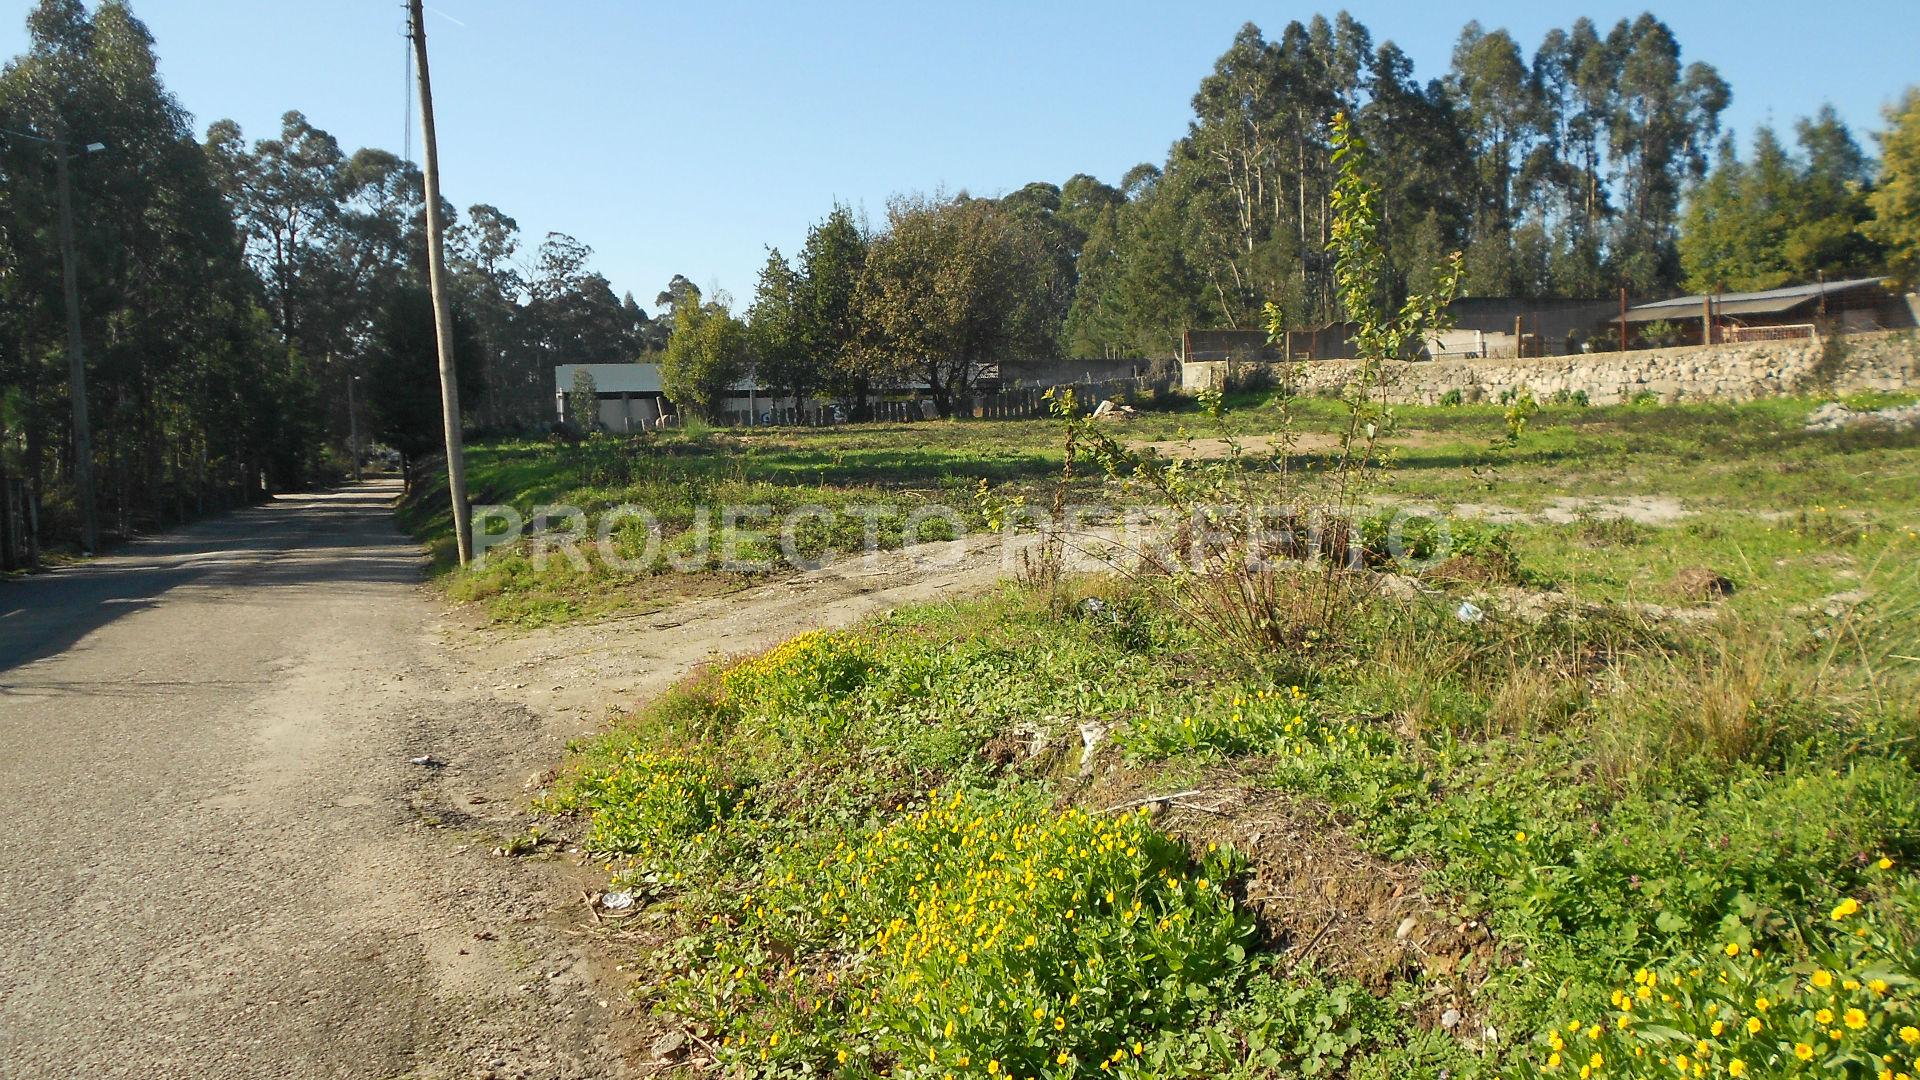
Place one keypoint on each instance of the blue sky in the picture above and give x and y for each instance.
(685, 138)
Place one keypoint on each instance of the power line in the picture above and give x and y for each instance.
(25, 135)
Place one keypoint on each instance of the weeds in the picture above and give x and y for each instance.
(981, 932)
(1839, 998)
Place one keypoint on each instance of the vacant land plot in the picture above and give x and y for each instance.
(1626, 787)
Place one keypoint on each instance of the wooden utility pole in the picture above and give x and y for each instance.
(442, 311)
(76, 356)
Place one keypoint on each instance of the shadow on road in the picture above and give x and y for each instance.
(343, 536)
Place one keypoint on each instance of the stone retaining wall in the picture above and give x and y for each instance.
(1732, 372)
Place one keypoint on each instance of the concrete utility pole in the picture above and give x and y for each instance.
(76, 354)
(442, 311)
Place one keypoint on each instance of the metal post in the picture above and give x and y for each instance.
(353, 429)
(76, 357)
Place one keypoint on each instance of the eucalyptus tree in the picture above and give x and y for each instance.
(188, 405)
(571, 314)
(403, 382)
(1664, 126)
(1504, 113)
(489, 284)
(285, 191)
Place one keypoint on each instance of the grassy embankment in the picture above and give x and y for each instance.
(1623, 824)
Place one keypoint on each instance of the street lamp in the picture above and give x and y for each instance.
(76, 349)
(353, 429)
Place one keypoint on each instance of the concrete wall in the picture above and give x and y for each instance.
(628, 413)
(1733, 372)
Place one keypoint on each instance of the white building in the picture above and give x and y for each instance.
(630, 395)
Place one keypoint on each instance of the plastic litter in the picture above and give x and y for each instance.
(1468, 612)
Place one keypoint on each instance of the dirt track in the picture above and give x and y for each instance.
(582, 670)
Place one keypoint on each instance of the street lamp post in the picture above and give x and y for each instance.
(353, 429)
(76, 347)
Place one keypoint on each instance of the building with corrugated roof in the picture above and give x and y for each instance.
(1853, 306)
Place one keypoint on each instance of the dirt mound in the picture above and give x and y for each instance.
(1318, 898)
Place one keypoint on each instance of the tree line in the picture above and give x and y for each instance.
(1591, 163)
(1558, 172)
(234, 291)
(231, 290)
(945, 288)
(1821, 207)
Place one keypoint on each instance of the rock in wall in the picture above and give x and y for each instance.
(1730, 372)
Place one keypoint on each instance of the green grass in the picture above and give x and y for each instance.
(1742, 469)
(1618, 778)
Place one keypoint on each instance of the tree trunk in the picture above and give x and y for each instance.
(7, 547)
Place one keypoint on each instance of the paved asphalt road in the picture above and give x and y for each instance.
(216, 858)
